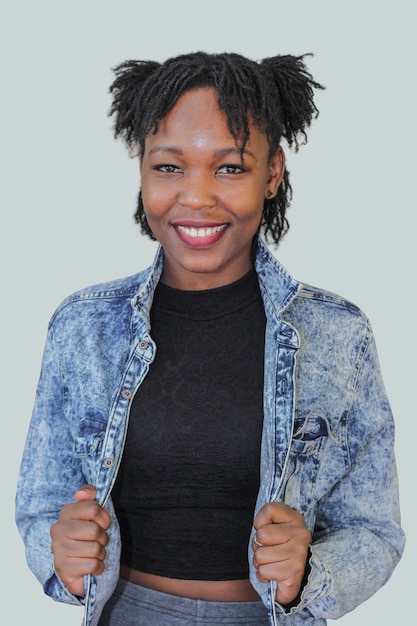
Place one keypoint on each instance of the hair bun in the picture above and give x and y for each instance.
(131, 76)
(295, 88)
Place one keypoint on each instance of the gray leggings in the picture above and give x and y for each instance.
(133, 605)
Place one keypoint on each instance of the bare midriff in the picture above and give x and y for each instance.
(209, 590)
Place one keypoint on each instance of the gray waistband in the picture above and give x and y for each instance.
(134, 604)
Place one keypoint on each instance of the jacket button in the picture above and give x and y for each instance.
(126, 393)
(109, 463)
(143, 345)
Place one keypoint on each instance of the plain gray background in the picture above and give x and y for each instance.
(68, 194)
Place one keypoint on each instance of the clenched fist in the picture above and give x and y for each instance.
(79, 539)
(280, 548)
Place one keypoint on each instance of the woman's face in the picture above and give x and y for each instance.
(202, 201)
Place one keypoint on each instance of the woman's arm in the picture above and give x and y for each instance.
(49, 474)
(358, 540)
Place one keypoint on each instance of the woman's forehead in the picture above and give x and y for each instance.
(197, 113)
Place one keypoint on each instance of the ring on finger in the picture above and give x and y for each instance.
(256, 542)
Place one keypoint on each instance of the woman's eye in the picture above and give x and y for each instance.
(231, 169)
(169, 169)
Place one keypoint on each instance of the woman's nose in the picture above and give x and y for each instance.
(197, 192)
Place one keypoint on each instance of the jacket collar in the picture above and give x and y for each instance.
(278, 289)
(142, 302)
(277, 286)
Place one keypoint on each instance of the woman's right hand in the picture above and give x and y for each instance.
(79, 538)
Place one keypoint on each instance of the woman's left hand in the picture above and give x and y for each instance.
(280, 549)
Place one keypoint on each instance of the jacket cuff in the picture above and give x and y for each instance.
(55, 589)
(315, 586)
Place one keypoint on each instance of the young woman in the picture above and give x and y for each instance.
(211, 441)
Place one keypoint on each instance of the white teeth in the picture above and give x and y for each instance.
(200, 232)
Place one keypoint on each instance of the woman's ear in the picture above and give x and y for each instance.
(276, 173)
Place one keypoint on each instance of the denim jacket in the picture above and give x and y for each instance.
(327, 443)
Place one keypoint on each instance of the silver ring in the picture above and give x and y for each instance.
(256, 542)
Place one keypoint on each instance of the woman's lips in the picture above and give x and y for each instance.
(200, 236)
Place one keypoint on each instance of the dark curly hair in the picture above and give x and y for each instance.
(276, 94)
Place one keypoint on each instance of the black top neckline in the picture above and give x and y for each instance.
(208, 304)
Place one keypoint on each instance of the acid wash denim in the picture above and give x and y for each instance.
(327, 443)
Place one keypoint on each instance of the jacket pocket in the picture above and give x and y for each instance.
(87, 449)
(310, 436)
(85, 446)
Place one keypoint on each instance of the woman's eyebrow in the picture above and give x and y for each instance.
(171, 149)
(234, 150)
(219, 152)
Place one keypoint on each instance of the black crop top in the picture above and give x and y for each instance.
(189, 477)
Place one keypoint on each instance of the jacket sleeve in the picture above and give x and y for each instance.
(49, 474)
(357, 540)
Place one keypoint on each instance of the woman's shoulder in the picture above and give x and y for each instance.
(317, 310)
(104, 294)
(317, 296)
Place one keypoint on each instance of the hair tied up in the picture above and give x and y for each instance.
(295, 88)
(275, 94)
(128, 91)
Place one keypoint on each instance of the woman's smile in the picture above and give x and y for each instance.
(199, 236)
